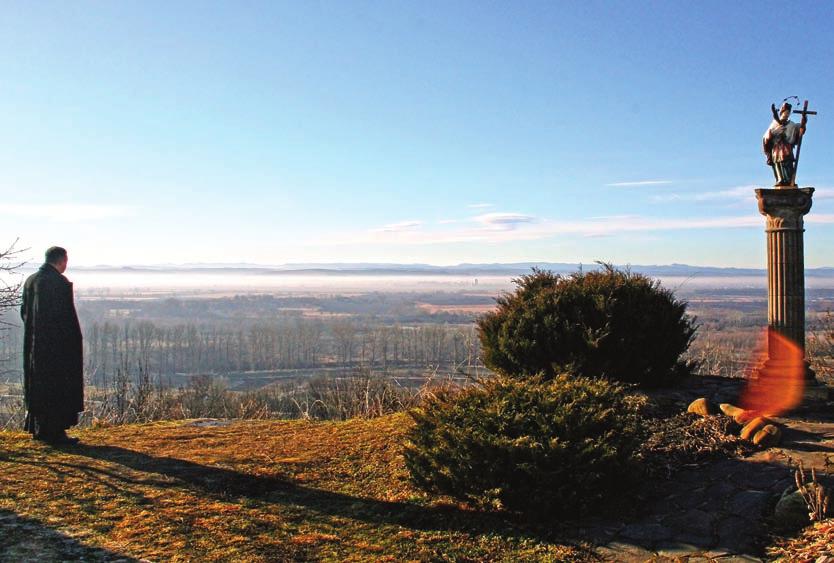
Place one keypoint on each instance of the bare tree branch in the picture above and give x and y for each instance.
(10, 279)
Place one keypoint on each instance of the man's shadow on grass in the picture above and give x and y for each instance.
(228, 484)
(26, 539)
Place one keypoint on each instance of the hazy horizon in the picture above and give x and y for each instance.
(179, 284)
(195, 280)
(347, 267)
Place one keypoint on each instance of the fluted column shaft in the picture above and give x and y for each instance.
(784, 210)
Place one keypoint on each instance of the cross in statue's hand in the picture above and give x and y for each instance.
(805, 112)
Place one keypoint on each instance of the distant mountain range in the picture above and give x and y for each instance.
(498, 269)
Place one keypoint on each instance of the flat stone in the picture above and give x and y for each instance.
(739, 535)
(697, 522)
(750, 504)
(600, 534)
(729, 468)
(758, 477)
(690, 476)
(675, 549)
(779, 486)
(208, 423)
(646, 532)
(680, 503)
(720, 490)
(702, 542)
(626, 552)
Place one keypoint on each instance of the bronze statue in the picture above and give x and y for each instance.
(780, 139)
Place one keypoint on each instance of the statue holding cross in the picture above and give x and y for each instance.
(784, 207)
(781, 138)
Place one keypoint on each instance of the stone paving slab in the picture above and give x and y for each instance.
(718, 512)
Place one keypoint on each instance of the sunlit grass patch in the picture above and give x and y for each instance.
(246, 491)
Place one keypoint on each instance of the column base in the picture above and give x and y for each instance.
(786, 369)
(783, 385)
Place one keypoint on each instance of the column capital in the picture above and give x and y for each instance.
(784, 207)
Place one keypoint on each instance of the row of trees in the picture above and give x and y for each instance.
(148, 348)
(296, 343)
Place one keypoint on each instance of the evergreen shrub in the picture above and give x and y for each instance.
(608, 323)
(553, 448)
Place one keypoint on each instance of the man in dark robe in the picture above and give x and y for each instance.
(53, 359)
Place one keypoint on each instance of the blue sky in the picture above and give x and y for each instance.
(438, 132)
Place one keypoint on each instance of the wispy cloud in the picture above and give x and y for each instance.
(640, 183)
(400, 227)
(503, 221)
(820, 218)
(65, 211)
(735, 195)
(738, 193)
(509, 227)
(480, 205)
(824, 193)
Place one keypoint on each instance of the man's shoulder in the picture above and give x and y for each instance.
(33, 279)
(47, 275)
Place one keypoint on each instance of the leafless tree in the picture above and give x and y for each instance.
(10, 264)
(11, 403)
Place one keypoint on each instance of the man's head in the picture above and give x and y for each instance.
(785, 113)
(57, 257)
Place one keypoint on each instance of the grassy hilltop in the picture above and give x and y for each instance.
(249, 490)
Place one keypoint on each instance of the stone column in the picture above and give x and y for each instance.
(784, 209)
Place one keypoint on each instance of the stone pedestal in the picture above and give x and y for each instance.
(784, 209)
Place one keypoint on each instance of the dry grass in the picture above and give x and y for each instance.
(815, 542)
(247, 491)
(433, 309)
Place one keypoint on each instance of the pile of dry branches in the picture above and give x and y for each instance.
(688, 440)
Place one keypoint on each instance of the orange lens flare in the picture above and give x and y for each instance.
(777, 376)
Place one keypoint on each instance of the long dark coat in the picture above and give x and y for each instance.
(53, 357)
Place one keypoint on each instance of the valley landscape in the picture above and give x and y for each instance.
(273, 330)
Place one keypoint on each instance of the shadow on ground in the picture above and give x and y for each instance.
(27, 540)
(227, 484)
(718, 509)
